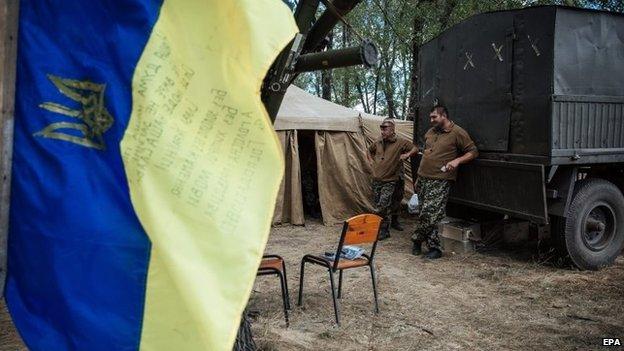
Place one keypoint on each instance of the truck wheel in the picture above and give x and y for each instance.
(593, 230)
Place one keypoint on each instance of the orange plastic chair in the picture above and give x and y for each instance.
(361, 229)
(274, 265)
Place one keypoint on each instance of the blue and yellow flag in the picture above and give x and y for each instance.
(145, 170)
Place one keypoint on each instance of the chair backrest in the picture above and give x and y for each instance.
(361, 229)
(357, 230)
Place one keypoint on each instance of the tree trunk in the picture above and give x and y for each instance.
(376, 91)
(389, 87)
(363, 97)
(326, 78)
(449, 6)
(346, 96)
(317, 83)
(390, 103)
(390, 53)
(405, 72)
(417, 26)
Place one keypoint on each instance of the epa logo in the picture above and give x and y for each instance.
(611, 342)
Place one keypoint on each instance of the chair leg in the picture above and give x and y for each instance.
(286, 285)
(333, 289)
(340, 284)
(300, 300)
(372, 270)
(284, 297)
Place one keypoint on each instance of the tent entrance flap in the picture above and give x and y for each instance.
(309, 174)
(289, 204)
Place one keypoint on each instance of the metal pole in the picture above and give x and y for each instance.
(9, 10)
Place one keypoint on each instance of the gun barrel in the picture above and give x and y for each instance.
(365, 54)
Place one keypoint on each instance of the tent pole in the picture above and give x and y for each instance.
(9, 10)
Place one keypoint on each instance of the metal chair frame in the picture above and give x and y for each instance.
(283, 282)
(332, 267)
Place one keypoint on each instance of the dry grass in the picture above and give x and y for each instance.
(9, 339)
(500, 300)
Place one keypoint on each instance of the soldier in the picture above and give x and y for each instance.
(388, 153)
(447, 146)
(397, 197)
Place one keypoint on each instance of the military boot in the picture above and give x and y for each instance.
(433, 254)
(416, 248)
(394, 223)
(384, 234)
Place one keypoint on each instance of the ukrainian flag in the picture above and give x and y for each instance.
(144, 173)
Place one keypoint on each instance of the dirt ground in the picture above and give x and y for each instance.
(9, 339)
(501, 299)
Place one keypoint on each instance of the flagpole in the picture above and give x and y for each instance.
(9, 10)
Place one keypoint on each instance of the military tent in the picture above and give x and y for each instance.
(327, 173)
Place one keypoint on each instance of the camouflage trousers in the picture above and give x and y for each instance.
(382, 200)
(433, 194)
(397, 197)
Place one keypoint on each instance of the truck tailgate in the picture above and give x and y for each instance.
(512, 188)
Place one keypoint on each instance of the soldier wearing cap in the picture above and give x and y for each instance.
(387, 155)
(447, 146)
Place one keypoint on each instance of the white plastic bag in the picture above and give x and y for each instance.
(413, 205)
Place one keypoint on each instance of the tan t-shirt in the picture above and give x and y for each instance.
(386, 157)
(441, 148)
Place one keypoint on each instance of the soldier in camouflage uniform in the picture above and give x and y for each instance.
(447, 146)
(382, 200)
(433, 194)
(397, 198)
(387, 155)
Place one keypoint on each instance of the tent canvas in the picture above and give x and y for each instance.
(343, 175)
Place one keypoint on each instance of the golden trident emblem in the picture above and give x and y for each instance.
(95, 118)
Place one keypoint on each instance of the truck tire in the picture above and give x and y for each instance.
(592, 233)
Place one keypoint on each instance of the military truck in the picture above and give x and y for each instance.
(541, 91)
